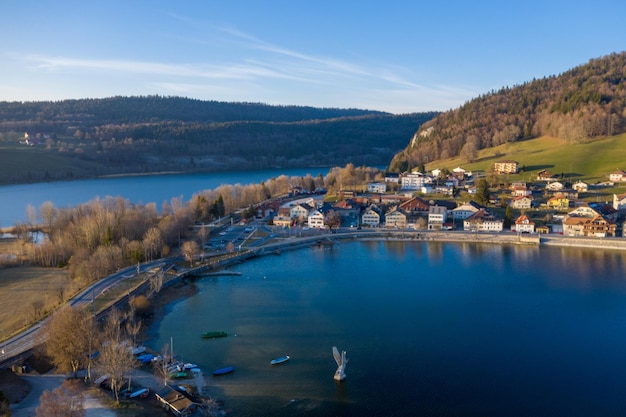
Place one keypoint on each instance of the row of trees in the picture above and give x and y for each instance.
(101, 236)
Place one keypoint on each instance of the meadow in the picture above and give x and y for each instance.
(591, 162)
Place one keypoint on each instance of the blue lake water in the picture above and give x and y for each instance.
(138, 189)
(431, 329)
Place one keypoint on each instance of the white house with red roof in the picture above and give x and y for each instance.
(523, 224)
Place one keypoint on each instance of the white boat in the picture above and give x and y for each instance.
(340, 373)
(101, 379)
(282, 359)
(138, 350)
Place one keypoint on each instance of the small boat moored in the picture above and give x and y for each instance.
(282, 359)
(224, 371)
(213, 335)
(142, 392)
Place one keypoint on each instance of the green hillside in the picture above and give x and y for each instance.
(585, 103)
(590, 162)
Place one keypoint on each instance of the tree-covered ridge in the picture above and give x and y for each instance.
(583, 103)
(150, 134)
(145, 109)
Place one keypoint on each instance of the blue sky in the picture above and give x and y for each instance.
(396, 56)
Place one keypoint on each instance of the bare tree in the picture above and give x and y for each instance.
(190, 249)
(156, 282)
(64, 401)
(132, 329)
(160, 366)
(333, 219)
(152, 242)
(48, 214)
(37, 306)
(67, 336)
(116, 360)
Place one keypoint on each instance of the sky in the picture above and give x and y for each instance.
(394, 56)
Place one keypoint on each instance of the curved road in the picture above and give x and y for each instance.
(19, 345)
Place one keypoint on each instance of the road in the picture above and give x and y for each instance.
(21, 344)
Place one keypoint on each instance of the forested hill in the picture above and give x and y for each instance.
(581, 104)
(116, 110)
(118, 135)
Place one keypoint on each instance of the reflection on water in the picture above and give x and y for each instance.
(430, 329)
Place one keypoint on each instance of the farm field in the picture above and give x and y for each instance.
(28, 292)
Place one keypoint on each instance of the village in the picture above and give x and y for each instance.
(450, 200)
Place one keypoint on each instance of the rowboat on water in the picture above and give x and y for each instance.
(213, 335)
(223, 371)
(282, 359)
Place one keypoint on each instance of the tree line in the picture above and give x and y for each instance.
(583, 103)
(152, 134)
(97, 238)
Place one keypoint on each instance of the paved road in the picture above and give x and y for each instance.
(22, 343)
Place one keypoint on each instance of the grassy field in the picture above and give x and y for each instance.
(26, 291)
(590, 162)
(35, 163)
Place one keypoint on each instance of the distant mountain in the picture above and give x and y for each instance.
(151, 134)
(581, 104)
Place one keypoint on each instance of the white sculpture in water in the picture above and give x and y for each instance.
(341, 360)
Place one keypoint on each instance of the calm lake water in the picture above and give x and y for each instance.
(431, 329)
(138, 189)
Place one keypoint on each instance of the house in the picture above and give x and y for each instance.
(482, 221)
(555, 186)
(437, 216)
(451, 181)
(506, 167)
(573, 226)
(371, 217)
(282, 221)
(606, 210)
(523, 224)
(396, 218)
(519, 188)
(377, 187)
(464, 211)
(459, 173)
(316, 220)
(300, 211)
(521, 202)
(581, 187)
(176, 402)
(267, 209)
(414, 181)
(392, 177)
(619, 202)
(543, 229)
(544, 175)
(583, 211)
(558, 202)
(415, 205)
(599, 227)
(617, 176)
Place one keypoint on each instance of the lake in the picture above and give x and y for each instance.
(138, 189)
(430, 329)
